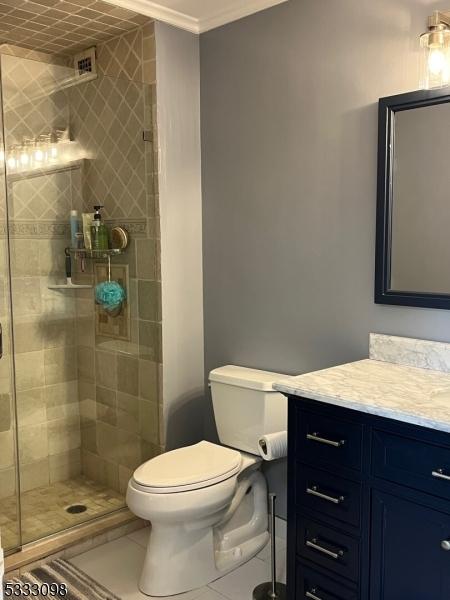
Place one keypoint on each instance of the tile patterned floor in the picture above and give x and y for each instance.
(117, 566)
(43, 509)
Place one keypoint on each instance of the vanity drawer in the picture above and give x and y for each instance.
(327, 547)
(328, 441)
(311, 585)
(328, 494)
(411, 462)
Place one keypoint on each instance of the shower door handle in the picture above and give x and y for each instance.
(1, 341)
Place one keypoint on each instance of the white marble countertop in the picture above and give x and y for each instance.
(404, 393)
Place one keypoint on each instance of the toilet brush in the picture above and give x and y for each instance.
(271, 590)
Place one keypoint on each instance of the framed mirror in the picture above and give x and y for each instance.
(413, 207)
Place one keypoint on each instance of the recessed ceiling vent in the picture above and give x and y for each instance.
(85, 65)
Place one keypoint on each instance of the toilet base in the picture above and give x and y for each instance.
(230, 560)
(184, 556)
(192, 567)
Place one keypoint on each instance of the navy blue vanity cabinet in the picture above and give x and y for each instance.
(368, 507)
(408, 560)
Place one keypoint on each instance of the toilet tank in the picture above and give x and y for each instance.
(245, 406)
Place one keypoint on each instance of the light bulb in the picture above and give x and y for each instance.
(24, 159)
(38, 156)
(54, 152)
(436, 61)
(11, 162)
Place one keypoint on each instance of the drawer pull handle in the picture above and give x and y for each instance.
(439, 474)
(314, 491)
(315, 546)
(312, 595)
(315, 437)
(445, 545)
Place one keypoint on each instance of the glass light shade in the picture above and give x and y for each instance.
(24, 158)
(38, 155)
(435, 58)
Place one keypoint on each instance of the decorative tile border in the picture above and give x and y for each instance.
(60, 229)
(411, 352)
(36, 229)
(135, 227)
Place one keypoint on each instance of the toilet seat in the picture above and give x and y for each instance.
(190, 468)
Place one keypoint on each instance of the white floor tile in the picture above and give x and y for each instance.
(117, 565)
(280, 528)
(280, 559)
(280, 546)
(239, 584)
(141, 536)
(212, 595)
(281, 565)
(265, 552)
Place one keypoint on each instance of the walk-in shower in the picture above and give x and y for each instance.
(79, 393)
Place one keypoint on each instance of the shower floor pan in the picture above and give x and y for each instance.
(44, 509)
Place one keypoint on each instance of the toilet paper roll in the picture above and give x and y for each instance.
(273, 445)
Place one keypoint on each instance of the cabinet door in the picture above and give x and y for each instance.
(408, 558)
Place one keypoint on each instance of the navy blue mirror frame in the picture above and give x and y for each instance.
(386, 114)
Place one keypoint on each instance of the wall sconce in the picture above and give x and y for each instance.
(435, 51)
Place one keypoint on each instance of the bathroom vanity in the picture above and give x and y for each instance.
(369, 476)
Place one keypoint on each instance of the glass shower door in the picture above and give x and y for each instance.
(86, 382)
(9, 481)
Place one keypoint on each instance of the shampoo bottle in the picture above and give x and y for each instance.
(99, 231)
(74, 228)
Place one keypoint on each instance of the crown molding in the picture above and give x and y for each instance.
(233, 13)
(183, 21)
(160, 13)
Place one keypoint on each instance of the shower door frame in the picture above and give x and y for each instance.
(10, 316)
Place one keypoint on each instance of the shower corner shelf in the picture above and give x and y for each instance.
(70, 286)
(95, 254)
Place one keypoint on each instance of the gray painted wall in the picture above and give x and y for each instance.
(180, 201)
(289, 155)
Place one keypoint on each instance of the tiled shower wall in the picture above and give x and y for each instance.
(65, 370)
(118, 379)
(44, 325)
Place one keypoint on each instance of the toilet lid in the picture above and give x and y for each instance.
(189, 468)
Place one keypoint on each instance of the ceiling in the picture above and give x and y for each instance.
(197, 16)
(63, 27)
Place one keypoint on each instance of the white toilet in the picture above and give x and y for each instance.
(207, 504)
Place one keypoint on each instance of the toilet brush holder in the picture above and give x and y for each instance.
(271, 590)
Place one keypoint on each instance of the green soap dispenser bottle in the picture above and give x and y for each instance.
(99, 231)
